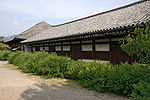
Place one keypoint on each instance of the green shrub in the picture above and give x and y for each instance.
(131, 80)
(21, 59)
(74, 69)
(122, 78)
(142, 91)
(4, 46)
(54, 66)
(1, 52)
(18, 58)
(4, 55)
(94, 76)
(12, 57)
(32, 64)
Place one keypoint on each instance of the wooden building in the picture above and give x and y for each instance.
(93, 37)
(14, 42)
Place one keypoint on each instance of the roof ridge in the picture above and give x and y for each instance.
(34, 26)
(128, 5)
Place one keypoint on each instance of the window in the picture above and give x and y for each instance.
(58, 48)
(86, 47)
(102, 47)
(66, 48)
(46, 48)
(41, 48)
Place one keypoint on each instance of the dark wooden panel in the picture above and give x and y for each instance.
(75, 52)
(86, 54)
(102, 55)
(66, 53)
(58, 53)
(115, 53)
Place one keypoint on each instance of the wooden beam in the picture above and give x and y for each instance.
(93, 49)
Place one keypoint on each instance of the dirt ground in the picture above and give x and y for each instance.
(15, 85)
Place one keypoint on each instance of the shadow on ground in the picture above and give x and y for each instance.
(45, 92)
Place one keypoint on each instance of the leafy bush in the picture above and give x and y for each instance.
(4, 46)
(94, 75)
(4, 55)
(21, 59)
(74, 69)
(12, 57)
(54, 66)
(18, 58)
(142, 91)
(122, 78)
(131, 80)
(32, 64)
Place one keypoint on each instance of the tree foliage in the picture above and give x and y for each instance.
(2, 45)
(1, 39)
(138, 43)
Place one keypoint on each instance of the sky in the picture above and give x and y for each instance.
(17, 16)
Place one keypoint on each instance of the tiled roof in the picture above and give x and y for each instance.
(36, 29)
(127, 15)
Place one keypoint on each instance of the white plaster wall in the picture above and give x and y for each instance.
(102, 47)
(86, 47)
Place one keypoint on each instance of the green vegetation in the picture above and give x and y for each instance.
(2, 45)
(4, 55)
(138, 43)
(125, 79)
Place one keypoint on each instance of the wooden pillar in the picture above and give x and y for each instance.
(43, 47)
(80, 52)
(110, 58)
(23, 48)
(93, 49)
(61, 49)
(31, 48)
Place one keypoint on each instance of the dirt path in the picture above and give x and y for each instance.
(15, 85)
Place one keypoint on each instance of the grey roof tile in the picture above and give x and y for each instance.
(127, 15)
(36, 29)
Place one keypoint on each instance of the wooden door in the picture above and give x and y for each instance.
(76, 52)
(115, 53)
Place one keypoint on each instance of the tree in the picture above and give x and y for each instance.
(1, 39)
(138, 43)
(2, 45)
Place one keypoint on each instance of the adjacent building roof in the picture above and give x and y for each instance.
(36, 29)
(127, 15)
(9, 39)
